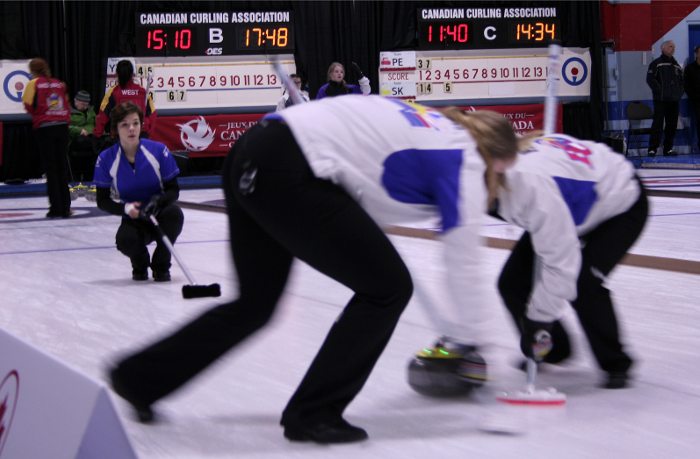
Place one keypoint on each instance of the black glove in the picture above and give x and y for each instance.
(357, 70)
(153, 207)
(536, 339)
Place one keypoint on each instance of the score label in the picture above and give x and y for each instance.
(214, 33)
(176, 95)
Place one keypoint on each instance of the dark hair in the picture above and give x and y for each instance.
(125, 72)
(120, 112)
(696, 48)
(39, 67)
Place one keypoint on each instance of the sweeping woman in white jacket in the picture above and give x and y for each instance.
(317, 181)
(582, 207)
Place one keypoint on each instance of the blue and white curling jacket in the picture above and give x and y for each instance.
(408, 165)
(559, 189)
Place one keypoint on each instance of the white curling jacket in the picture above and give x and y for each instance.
(559, 189)
(408, 165)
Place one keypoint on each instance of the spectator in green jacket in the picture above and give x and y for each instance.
(82, 152)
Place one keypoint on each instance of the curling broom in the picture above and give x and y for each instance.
(531, 395)
(192, 290)
(287, 82)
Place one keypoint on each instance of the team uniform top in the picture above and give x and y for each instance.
(46, 100)
(153, 166)
(131, 92)
(558, 190)
(408, 165)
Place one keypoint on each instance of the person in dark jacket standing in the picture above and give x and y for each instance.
(665, 78)
(46, 100)
(691, 79)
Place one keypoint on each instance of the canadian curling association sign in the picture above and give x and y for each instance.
(9, 392)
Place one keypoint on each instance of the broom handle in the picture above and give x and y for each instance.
(287, 82)
(552, 82)
(171, 247)
(531, 375)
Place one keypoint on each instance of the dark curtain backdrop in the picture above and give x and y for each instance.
(77, 37)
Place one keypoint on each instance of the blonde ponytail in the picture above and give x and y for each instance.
(494, 137)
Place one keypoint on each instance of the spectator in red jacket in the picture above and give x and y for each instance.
(46, 100)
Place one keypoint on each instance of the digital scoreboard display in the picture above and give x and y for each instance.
(487, 28)
(214, 33)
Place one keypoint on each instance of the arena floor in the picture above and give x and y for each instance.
(67, 291)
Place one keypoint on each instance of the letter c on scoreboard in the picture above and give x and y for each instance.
(489, 33)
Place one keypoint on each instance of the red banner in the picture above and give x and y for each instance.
(213, 135)
(525, 118)
(201, 136)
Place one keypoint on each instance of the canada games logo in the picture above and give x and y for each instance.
(9, 390)
(54, 102)
(14, 84)
(196, 135)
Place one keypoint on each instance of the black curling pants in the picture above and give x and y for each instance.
(287, 213)
(53, 145)
(666, 119)
(603, 248)
(134, 235)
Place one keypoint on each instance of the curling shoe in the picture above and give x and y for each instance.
(325, 432)
(139, 275)
(142, 411)
(616, 380)
(161, 276)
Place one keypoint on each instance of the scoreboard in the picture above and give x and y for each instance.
(220, 33)
(487, 28)
(485, 53)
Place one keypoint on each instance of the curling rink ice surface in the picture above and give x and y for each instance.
(68, 292)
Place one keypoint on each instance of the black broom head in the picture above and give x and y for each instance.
(200, 291)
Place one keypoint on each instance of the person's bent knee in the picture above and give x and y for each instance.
(171, 220)
(130, 245)
(394, 293)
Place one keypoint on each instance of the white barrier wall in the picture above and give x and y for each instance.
(48, 410)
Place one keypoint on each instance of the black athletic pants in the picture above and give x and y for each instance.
(666, 118)
(603, 248)
(695, 103)
(134, 235)
(82, 157)
(287, 213)
(53, 144)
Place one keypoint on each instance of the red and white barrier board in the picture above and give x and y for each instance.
(48, 410)
(214, 135)
(525, 118)
(202, 136)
